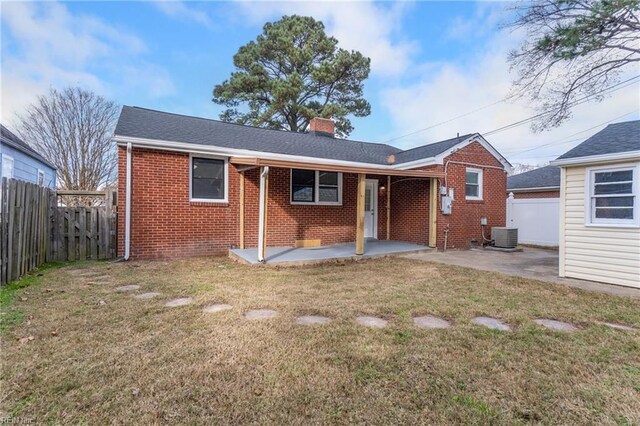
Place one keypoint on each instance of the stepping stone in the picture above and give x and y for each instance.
(212, 309)
(431, 322)
(492, 323)
(149, 295)
(617, 326)
(312, 320)
(556, 325)
(260, 314)
(182, 301)
(373, 322)
(128, 288)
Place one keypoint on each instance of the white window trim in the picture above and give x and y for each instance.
(479, 172)
(589, 181)
(226, 180)
(316, 192)
(6, 157)
(41, 172)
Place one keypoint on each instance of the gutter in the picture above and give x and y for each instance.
(127, 214)
(591, 159)
(538, 189)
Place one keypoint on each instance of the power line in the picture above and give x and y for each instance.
(496, 103)
(580, 101)
(571, 135)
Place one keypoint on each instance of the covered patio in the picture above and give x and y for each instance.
(361, 246)
(293, 256)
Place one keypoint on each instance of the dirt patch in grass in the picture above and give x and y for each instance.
(122, 361)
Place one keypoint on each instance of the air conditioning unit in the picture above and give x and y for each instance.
(504, 237)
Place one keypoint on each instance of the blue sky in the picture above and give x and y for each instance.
(431, 61)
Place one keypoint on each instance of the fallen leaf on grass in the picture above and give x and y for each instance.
(24, 340)
(54, 333)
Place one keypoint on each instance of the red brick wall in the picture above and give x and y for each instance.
(463, 224)
(540, 194)
(166, 224)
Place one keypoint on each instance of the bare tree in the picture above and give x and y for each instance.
(575, 51)
(72, 129)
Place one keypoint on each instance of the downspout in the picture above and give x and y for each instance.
(262, 215)
(127, 214)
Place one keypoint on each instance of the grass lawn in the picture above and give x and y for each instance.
(99, 356)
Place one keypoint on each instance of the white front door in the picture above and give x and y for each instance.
(371, 209)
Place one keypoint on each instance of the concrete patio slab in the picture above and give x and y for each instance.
(556, 325)
(260, 314)
(429, 321)
(373, 322)
(182, 301)
(312, 320)
(310, 255)
(492, 323)
(218, 307)
(536, 263)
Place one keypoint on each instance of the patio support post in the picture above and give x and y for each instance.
(242, 209)
(388, 207)
(433, 212)
(264, 199)
(362, 183)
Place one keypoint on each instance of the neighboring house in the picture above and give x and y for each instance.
(600, 207)
(20, 161)
(194, 186)
(533, 206)
(543, 182)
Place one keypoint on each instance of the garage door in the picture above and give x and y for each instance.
(537, 220)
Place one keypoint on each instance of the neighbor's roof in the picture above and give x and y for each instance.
(7, 137)
(544, 177)
(144, 123)
(613, 139)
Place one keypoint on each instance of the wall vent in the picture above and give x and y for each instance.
(504, 237)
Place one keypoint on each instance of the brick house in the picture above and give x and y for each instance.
(192, 186)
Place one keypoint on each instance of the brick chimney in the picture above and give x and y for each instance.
(322, 127)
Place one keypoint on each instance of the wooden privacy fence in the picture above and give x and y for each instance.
(34, 229)
(25, 227)
(81, 233)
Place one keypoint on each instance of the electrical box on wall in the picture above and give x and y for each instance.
(446, 205)
(443, 190)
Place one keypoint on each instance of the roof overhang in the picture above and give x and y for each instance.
(388, 171)
(260, 158)
(440, 158)
(596, 159)
(28, 153)
(538, 189)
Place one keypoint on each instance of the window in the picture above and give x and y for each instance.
(612, 196)
(40, 177)
(208, 179)
(7, 166)
(473, 189)
(316, 187)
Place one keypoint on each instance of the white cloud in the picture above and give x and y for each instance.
(178, 9)
(47, 46)
(374, 29)
(452, 89)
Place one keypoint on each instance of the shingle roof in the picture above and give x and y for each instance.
(431, 150)
(543, 177)
(615, 138)
(7, 137)
(150, 124)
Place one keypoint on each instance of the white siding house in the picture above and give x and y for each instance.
(600, 208)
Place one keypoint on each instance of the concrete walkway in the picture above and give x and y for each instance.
(539, 264)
